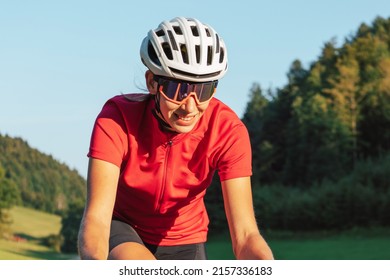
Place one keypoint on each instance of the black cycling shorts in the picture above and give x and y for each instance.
(122, 232)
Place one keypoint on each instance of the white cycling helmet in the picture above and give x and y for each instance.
(185, 49)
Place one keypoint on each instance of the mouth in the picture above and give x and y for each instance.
(185, 119)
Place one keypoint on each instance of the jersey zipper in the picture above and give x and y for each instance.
(164, 179)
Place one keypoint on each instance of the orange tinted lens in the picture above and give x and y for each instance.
(178, 91)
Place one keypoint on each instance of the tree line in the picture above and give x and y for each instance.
(328, 117)
(43, 183)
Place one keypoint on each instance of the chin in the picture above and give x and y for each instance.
(182, 129)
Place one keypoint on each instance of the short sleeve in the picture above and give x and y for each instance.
(109, 141)
(236, 159)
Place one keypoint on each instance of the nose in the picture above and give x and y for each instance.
(189, 104)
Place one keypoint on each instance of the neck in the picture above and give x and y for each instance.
(158, 115)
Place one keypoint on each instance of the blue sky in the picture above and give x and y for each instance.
(61, 60)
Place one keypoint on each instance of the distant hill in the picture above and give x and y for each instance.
(44, 183)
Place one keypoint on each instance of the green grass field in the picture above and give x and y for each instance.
(31, 226)
(358, 244)
(37, 224)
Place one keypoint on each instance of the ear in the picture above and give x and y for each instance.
(150, 82)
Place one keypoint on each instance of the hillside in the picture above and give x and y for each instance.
(44, 183)
(30, 229)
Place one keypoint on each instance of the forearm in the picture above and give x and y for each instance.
(246, 238)
(93, 241)
(253, 247)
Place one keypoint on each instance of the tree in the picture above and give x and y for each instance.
(9, 195)
(343, 96)
(254, 119)
(70, 227)
(316, 144)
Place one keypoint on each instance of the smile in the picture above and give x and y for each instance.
(183, 118)
(186, 118)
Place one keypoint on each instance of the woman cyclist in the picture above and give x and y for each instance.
(152, 157)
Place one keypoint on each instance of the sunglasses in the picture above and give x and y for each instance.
(176, 91)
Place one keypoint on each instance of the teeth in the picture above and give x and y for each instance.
(186, 118)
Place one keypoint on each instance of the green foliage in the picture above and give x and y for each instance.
(214, 205)
(42, 182)
(362, 198)
(70, 227)
(53, 241)
(9, 195)
(328, 117)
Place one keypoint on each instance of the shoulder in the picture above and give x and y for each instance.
(231, 148)
(133, 99)
(126, 104)
(220, 123)
(219, 113)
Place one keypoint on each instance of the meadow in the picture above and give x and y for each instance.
(30, 227)
(354, 244)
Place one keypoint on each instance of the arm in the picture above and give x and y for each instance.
(101, 193)
(246, 239)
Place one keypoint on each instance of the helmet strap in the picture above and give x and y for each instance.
(158, 115)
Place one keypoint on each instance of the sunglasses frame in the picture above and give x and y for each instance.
(180, 83)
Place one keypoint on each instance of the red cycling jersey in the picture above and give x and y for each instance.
(164, 175)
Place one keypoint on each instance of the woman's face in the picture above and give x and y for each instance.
(181, 117)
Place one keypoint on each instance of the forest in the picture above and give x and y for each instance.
(37, 180)
(320, 144)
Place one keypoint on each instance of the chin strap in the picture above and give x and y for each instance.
(157, 113)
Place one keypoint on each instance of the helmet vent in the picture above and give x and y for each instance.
(208, 32)
(195, 31)
(173, 41)
(178, 30)
(209, 55)
(167, 50)
(152, 54)
(184, 53)
(217, 39)
(222, 55)
(160, 33)
(197, 53)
